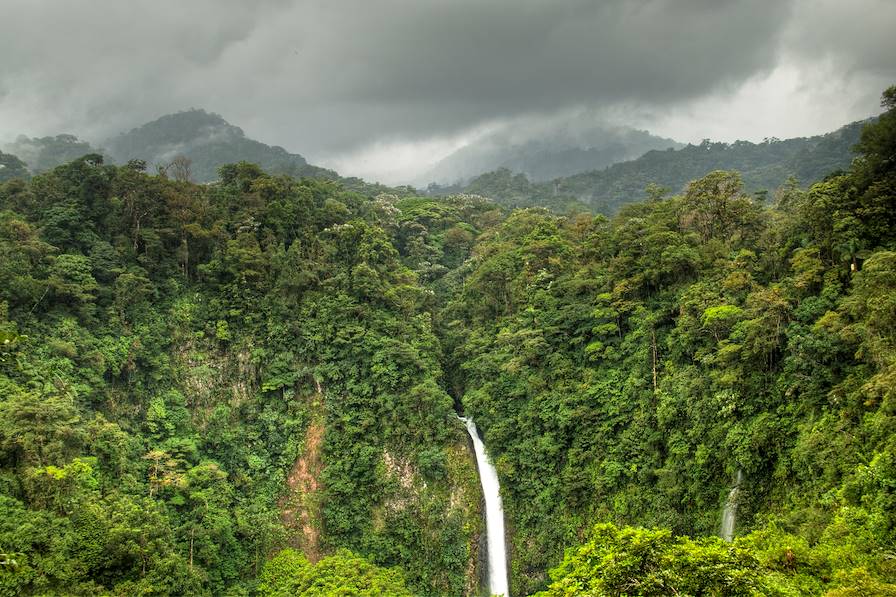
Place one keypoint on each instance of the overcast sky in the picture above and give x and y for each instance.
(384, 88)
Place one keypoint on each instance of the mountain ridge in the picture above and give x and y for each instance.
(209, 142)
(548, 155)
(765, 167)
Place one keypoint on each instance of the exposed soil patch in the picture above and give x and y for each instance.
(300, 508)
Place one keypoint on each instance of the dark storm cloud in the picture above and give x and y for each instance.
(331, 77)
(855, 39)
(418, 69)
(857, 35)
(338, 74)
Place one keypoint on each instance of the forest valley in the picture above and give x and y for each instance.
(251, 387)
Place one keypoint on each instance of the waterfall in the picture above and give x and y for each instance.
(729, 512)
(494, 515)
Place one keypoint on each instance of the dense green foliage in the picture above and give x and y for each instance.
(639, 562)
(199, 381)
(624, 370)
(165, 348)
(764, 166)
(289, 574)
(642, 562)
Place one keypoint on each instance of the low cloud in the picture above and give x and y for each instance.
(349, 81)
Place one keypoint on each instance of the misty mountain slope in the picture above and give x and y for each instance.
(765, 166)
(209, 142)
(45, 153)
(12, 167)
(548, 155)
(205, 138)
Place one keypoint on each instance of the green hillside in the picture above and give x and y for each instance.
(251, 387)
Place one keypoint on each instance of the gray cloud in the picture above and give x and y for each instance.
(329, 78)
(857, 35)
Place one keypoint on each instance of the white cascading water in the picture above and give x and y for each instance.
(494, 515)
(729, 513)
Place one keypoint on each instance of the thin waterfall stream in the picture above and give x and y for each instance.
(494, 515)
(729, 513)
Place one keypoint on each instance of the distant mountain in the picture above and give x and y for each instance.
(765, 166)
(547, 155)
(44, 153)
(208, 141)
(205, 139)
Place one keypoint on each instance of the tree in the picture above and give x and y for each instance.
(39, 430)
(715, 204)
(653, 562)
(181, 168)
(878, 142)
(288, 574)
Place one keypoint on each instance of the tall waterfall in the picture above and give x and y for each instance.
(729, 513)
(494, 515)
